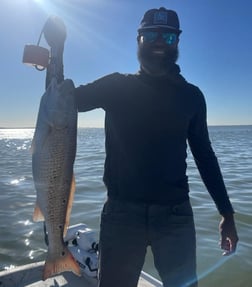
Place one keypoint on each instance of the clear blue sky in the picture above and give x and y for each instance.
(215, 51)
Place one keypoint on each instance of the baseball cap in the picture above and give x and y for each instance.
(162, 18)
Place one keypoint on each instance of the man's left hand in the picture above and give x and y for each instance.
(228, 233)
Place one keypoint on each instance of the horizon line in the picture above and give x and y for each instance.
(101, 127)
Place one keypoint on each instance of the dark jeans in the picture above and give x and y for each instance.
(126, 231)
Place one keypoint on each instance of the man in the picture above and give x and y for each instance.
(150, 117)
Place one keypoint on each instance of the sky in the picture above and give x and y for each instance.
(215, 52)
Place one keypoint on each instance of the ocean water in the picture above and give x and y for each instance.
(21, 240)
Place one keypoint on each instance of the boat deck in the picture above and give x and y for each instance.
(29, 276)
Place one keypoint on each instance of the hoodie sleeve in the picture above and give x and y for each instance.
(205, 158)
(98, 94)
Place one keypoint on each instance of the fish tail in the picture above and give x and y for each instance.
(65, 263)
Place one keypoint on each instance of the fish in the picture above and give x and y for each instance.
(53, 156)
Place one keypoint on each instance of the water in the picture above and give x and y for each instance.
(21, 240)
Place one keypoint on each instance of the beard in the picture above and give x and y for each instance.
(157, 64)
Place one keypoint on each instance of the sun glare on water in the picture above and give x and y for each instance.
(16, 133)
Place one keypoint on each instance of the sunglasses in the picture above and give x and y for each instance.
(151, 36)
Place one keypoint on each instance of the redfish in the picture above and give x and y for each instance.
(53, 155)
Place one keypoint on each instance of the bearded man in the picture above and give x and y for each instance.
(150, 117)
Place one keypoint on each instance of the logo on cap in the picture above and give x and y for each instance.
(160, 17)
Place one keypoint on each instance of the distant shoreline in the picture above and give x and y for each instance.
(16, 128)
(28, 128)
(23, 128)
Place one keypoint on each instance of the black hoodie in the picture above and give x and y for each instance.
(148, 123)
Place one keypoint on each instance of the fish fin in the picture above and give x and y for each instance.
(65, 263)
(37, 214)
(69, 206)
(32, 148)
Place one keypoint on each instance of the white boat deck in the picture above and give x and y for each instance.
(30, 276)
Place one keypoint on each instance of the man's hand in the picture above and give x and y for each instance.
(228, 233)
